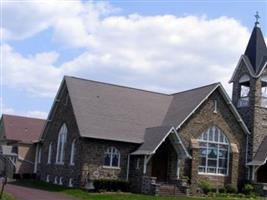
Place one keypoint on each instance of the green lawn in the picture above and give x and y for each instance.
(7, 197)
(83, 195)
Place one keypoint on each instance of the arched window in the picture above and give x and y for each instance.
(214, 151)
(112, 157)
(49, 153)
(244, 82)
(61, 141)
(72, 153)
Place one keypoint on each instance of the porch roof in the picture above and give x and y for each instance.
(155, 136)
(261, 155)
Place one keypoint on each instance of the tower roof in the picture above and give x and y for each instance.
(256, 49)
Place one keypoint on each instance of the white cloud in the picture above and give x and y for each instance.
(30, 113)
(163, 52)
(36, 114)
(35, 74)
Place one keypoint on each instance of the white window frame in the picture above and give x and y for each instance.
(55, 180)
(49, 153)
(71, 182)
(47, 178)
(215, 106)
(60, 180)
(112, 151)
(61, 142)
(213, 140)
(72, 153)
(264, 94)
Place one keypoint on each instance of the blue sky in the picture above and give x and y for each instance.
(153, 45)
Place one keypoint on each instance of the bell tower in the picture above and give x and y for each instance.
(250, 88)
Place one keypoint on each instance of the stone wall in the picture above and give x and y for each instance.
(63, 114)
(136, 173)
(204, 118)
(254, 115)
(92, 160)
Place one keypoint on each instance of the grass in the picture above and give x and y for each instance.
(7, 197)
(83, 195)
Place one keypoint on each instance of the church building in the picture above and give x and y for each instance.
(157, 141)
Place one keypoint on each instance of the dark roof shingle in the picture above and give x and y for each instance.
(256, 50)
(111, 112)
(261, 155)
(106, 111)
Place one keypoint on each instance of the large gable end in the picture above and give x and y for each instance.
(185, 103)
(63, 96)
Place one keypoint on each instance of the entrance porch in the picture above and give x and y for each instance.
(259, 168)
(162, 159)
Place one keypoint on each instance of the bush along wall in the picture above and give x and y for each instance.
(111, 185)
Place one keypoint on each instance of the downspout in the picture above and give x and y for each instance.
(248, 168)
(145, 163)
(128, 167)
(36, 158)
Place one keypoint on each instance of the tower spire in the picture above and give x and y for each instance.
(256, 49)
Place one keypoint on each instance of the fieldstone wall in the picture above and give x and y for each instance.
(63, 114)
(201, 120)
(136, 173)
(254, 115)
(92, 160)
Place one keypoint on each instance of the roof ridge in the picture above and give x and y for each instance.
(197, 88)
(120, 86)
(20, 116)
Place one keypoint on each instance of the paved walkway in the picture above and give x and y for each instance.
(26, 193)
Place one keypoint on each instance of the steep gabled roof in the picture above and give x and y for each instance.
(261, 155)
(106, 111)
(183, 103)
(155, 136)
(22, 129)
(255, 57)
(256, 50)
(112, 112)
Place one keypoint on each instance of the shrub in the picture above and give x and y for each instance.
(222, 190)
(111, 185)
(17, 176)
(248, 189)
(27, 176)
(230, 188)
(205, 186)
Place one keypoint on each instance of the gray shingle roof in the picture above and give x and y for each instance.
(261, 155)
(183, 104)
(112, 112)
(153, 137)
(106, 111)
(256, 49)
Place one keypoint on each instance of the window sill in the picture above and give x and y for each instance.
(59, 163)
(211, 174)
(71, 164)
(110, 167)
